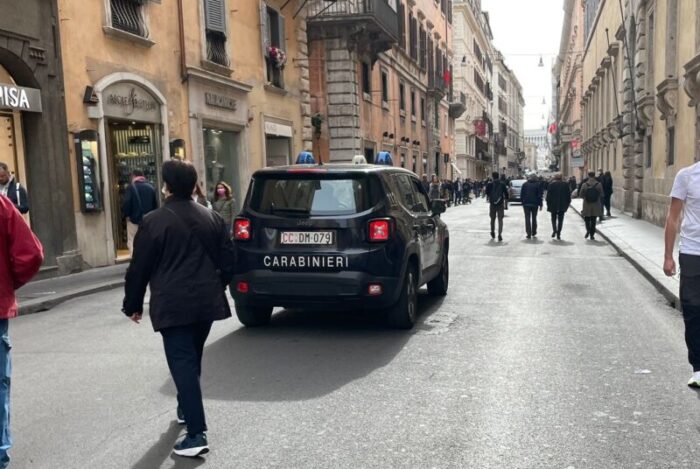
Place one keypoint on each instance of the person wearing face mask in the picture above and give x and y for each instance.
(199, 197)
(223, 204)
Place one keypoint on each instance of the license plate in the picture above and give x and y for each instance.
(322, 238)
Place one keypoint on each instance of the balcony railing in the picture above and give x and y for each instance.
(377, 11)
(127, 15)
(216, 49)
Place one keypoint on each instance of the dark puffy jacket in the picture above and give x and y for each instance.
(531, 194)
(558, 196)
(174, 251)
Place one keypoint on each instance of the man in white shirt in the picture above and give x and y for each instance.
(685, 205)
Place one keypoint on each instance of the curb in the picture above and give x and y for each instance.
(39, 305)
(670, 295)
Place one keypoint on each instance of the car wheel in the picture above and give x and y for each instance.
(404, 313)
(251, 316)
(438, 286)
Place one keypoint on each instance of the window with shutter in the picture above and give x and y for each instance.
(128, 16)
(215, 31)
(412, 37)
(402, 25)
(415, 40)
(215, 16)
(273, 32)
(423, 48)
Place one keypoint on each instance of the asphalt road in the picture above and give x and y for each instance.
(544, 354)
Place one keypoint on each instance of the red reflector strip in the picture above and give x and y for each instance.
(242, 287)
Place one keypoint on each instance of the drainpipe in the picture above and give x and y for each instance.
(181, 24)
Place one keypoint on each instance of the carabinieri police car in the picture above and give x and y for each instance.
(351, 237)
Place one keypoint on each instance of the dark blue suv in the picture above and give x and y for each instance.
(338, 237)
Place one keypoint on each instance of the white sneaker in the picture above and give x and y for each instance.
(694, 381)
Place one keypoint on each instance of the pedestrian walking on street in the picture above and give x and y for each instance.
(458, 186)
(592, 193)
(13, 190)
(223, 204)
(139, 199)
(607, 191)
(685, 205)
(496, 195)
(21, 256)
(531, 197)
(572, 185)
(434, 191)
(199, 197)
(185, 253)
(425, 183)
(558, 202)
(466, 192)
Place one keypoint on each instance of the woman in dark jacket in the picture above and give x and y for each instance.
(184, 252)
(558, 202)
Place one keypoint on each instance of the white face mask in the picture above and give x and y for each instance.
(164, 191)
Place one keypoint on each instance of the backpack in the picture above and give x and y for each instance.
(592, 195)
(496, 195)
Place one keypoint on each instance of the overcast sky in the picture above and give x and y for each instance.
(523, 30)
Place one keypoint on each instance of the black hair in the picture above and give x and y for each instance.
(495, 175)
(591, 174)
(136, 172)
(180, 177)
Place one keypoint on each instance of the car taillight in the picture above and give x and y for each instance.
(379, 230)
(241, 229)
(242, 287)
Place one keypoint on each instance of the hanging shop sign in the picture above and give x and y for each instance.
(20, 98)
(130, 101)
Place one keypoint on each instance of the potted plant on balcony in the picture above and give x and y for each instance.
(278, 56)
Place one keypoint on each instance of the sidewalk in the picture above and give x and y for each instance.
(43, 295)
(642, 243)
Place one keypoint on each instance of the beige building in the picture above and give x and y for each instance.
(199, 80)
(508, 118)
(530, 162)
(381, 81)
(658, 132)
(473, 68)
(568, 83)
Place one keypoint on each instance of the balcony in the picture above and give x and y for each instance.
(371, 23)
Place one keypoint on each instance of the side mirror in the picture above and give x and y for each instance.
(439, 207)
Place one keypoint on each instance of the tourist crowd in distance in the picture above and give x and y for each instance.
(596, 190)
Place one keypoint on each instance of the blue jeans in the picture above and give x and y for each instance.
(5, 373)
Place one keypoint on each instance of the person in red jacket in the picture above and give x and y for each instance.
(21, 256)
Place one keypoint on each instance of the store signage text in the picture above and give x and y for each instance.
(132, 102)
(217, 100)
(20, 98)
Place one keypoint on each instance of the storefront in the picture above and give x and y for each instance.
(131, 117)
(219, 119)
(32, 139)
(278, 142)
(15, 100)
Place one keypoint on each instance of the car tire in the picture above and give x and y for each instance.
(404, 313)
(439, 285)
(252, 316)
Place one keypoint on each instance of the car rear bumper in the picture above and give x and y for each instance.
(337, 291)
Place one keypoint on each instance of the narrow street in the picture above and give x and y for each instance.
(544, 354)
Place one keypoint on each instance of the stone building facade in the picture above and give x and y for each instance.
(508, 118)
(567, 76)
(381, 80)
(32, 130)
(473, 43)
(651, 60)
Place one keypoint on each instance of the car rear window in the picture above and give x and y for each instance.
(310, 195)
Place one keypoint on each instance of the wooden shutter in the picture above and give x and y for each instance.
(423, 38)
(282, 32)
(264, 28)
(402, 25)
(215, 16)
